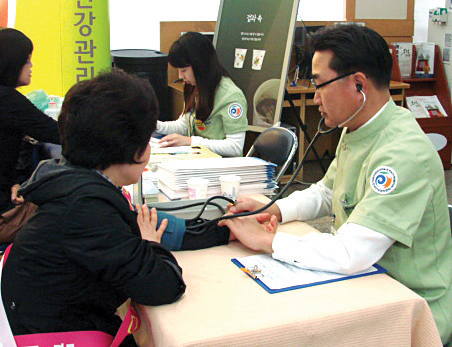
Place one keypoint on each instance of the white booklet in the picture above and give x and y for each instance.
(405, 57)
(425, 106)
(425, 58)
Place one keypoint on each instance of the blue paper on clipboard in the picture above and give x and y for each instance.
(275, 276)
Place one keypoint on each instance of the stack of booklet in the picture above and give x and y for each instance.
(257, 175)
(150, 186)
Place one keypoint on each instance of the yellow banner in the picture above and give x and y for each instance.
(71, 40)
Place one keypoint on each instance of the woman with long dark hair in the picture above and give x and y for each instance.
(18, 117)
(215, 109)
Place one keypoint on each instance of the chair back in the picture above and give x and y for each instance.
(276, 145)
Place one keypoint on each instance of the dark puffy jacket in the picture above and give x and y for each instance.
(81, 256)
(18, 117)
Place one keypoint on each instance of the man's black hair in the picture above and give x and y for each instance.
(356, 49)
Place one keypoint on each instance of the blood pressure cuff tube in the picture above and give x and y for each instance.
(174, 233)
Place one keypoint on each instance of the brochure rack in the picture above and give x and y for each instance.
(434, 86)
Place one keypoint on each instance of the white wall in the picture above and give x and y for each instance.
(421, 8)
(330, 10)
(135, 24)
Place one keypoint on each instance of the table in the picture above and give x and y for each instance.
(159, 155)
(222, 306)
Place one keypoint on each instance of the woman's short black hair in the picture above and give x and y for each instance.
(15, 50)
(107, 120)
(196, 50)
(356, 49)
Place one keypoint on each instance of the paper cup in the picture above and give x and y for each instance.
(240, 54)
(258, 59)
(197, 187)
(230, 186)
(264, 102)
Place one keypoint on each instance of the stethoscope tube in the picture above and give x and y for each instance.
(204, 205)
(319, 133)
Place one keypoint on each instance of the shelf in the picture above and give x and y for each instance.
(419, 80)
(434, 86)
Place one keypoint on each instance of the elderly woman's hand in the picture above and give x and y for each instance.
(147, 221)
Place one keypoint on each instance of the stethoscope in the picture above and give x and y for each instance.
(201, 227)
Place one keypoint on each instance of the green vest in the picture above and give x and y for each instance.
(387, 176)
(228, 115)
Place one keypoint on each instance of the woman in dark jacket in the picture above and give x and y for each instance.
(18, 117)
(84, 252)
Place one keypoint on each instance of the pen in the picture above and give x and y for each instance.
(295, 79)
(175, 153)
(248, 272)
(184, 153)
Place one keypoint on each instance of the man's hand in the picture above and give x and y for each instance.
(255, 232)
(172, 140)
(16, 198)
(147, 221)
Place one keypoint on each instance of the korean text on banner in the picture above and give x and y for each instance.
(71, 41)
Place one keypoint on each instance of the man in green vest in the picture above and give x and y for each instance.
(385, 188)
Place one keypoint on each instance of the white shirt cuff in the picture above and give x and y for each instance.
(355, 248)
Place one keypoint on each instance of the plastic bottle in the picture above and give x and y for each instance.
(52, 110)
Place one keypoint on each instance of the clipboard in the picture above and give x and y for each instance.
(298, 274)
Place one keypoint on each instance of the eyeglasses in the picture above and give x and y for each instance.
(318, 86)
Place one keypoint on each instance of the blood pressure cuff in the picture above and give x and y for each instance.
(176, 237)
(174, 232)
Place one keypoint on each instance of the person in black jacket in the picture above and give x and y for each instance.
(18, 117)
(85, 251)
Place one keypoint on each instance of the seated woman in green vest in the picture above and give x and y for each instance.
(215, 109)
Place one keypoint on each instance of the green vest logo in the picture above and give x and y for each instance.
(235, 110)
(383, 180)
